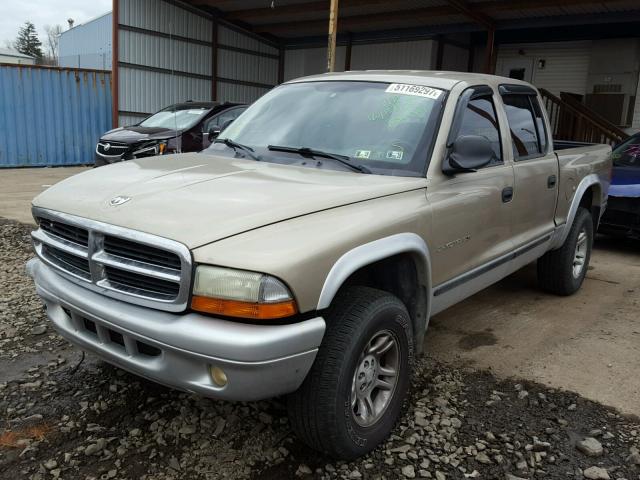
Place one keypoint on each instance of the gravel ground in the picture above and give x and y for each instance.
(65, 417)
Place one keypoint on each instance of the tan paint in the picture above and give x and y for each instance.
(295, 222)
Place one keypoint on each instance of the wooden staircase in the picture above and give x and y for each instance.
(571, 120)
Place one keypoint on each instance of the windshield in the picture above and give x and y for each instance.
(627, 154)
(387, 128)
(183, 118)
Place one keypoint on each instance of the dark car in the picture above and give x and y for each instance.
(183, 127)
(622, 216)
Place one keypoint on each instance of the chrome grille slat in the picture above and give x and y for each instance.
(125, 264)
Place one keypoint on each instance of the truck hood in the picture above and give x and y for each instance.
(199, 198)
(135, 134)
(625, 182)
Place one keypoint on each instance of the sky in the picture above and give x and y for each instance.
(46, 12)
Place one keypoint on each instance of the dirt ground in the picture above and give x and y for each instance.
(588, 343)
(516, 384)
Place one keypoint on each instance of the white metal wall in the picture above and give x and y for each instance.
(454, 58)
(164, 57)
(566, 67)
(87, 45)
(300, 62)
(247, 67)
(416, 55)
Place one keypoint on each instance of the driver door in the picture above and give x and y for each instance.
(471, 219)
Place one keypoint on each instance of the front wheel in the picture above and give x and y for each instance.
(562, 271)
(353, 395)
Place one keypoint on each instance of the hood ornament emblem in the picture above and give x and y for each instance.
(119, 200)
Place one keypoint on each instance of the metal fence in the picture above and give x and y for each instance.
(52, 116)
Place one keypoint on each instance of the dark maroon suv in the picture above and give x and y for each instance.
(183, 127)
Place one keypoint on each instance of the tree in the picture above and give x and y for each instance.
(28, 42)
(53, 37)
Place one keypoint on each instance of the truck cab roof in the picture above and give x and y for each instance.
(432, 78)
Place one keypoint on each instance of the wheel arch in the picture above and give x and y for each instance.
(400, 250)
(589, 194)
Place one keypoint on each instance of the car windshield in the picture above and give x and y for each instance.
(386, 128)
(182, 118)
(627, 154)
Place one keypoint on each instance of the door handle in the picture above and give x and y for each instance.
(551, 181)
(507, 194)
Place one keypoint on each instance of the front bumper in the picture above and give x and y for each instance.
(622, 216)
(177, 350)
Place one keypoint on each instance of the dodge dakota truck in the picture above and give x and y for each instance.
(305, 250)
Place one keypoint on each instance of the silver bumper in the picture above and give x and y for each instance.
(178, 350)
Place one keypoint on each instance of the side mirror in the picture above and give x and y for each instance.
(468, 153)
(214, 132)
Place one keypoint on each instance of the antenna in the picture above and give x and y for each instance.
(173, 83)
(70, 21)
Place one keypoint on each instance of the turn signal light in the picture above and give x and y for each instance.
(250, 310)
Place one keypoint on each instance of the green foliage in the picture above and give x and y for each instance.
(28, 42)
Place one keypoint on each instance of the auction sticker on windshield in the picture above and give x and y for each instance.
(417, 90)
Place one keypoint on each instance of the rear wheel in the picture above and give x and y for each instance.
(353, 395)
(562, 271)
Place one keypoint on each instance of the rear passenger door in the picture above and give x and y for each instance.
(535, 165)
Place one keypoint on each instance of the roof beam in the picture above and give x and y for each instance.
(347, 22)
(473, 14)
(297, 8)
(479, 12)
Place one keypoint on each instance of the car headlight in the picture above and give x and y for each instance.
(240, 293)
(151, 150)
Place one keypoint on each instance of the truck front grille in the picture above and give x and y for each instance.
(128, 265)
(141, 253)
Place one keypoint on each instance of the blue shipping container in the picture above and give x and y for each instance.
(52, 116)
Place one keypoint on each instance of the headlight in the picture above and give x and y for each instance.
(239, 293)
(151, 150)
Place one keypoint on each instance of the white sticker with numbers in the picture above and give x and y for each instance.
(417, 90)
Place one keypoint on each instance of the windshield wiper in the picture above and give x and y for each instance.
(238, 146)
(310, 152)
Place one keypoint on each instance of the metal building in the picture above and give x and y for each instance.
(173, 50)
(52, 116)
(9, 55)
(87, 45)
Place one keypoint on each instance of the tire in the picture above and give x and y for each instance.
(556, 273)
(321, 412)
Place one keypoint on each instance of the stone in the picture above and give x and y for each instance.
(596, 473)
(634, 458)
(590, 446)
(303, 470)
(38, 330)
(50, 464)
(408, 471)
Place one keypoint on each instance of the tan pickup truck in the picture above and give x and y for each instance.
(304, 251)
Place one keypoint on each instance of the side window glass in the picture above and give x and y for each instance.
(522, 125)
(480, 119)
(229, 115)
(212, 122)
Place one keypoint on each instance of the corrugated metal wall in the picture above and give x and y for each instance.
(566, 66)
(416, 54)
(51, 116)
(247, 66)
(164, 57)
(455, 58)
(300, 62)
(87, 45)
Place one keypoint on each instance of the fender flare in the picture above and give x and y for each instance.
(372, 252)
(584, 184)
